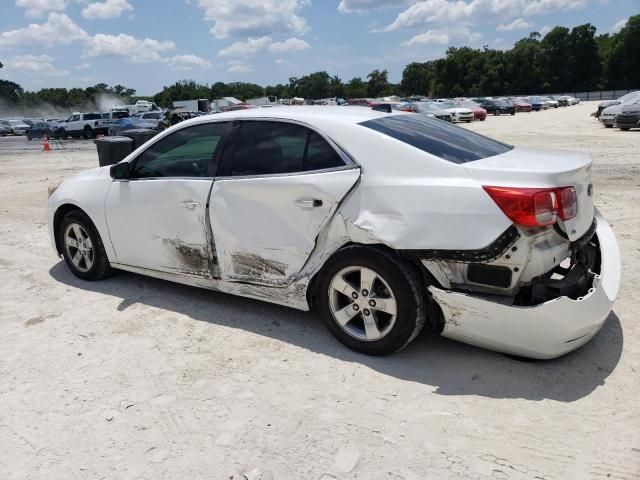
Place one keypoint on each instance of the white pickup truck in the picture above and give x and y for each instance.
(86, 125)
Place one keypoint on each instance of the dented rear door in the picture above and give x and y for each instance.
(265, 228)
(279, 183)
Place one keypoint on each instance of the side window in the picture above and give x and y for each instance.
(74, 118)
(321, 155)
(269, 148)
(185, 153)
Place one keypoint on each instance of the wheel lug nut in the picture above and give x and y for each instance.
(354, 295)
(365, 292)
(372, 303)
(366, 312)
(356, 307)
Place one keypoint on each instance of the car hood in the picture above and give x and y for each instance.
(612, 110)
(630, 108)
(608, 103)
(459, 110)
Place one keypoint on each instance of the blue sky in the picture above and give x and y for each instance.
(146, 44)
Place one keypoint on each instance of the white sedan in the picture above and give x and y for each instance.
(383, 222)
(458, 113)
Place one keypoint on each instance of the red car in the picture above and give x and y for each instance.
(521, 105)
(479, 113)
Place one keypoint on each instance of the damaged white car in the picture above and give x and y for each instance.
(383, 222)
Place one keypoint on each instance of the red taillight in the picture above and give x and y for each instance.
(535, 207)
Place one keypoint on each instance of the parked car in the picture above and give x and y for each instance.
(629, 116)
(522, 106)
(5, 129)
(496, 107)
(609, 114)
(562, 101)
(609, 103)
(389, 107)
(517, 259)
(432, 109)
(479, 113)
(551, 103)
(44, 129)
(458, 112)
(128, 123)
(18, 127)
(360, 102)
(85, 125)
(536, 103)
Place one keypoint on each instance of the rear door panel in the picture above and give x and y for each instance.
(265, 228)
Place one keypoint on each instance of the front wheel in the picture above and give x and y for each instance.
(82, 247)
(62, 133)
(371, 301)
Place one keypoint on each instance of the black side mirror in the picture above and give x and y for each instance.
(120, 171)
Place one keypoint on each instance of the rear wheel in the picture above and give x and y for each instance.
(29, 136)
(371, 301)
(82, 247)
(624, 128)
(88, 133)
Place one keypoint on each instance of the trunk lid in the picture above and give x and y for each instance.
(537, 168)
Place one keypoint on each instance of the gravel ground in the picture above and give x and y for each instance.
(136, 378)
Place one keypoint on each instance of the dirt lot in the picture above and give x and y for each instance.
(135, 378)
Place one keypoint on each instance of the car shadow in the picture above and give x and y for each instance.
(452, 368)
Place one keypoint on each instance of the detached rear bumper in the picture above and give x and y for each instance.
(544, 331)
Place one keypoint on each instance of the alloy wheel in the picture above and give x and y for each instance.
(79, 247)
(362, 303)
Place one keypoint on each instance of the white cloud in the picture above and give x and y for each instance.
(106, 9)
(188, 62)
(36, 8)
(253, 46)
(444, 36)
(619, 25)
(364, 6)
(255, 17)
(250, 47)
(40, 64)
(289, 45)
(544, 30)
(82, 66)
(238, 66)
(133, 49)
(279, 61)
(517, 24)
(475, 11)
(58, 29)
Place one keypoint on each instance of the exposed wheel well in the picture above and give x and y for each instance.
(57, 218)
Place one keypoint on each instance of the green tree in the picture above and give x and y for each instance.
(623, 65)
(378, 83)
(10, 92)
(583, 63)
(356, 88)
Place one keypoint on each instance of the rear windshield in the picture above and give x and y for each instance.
(437, 137)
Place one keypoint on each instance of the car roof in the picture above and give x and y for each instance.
(305, 114)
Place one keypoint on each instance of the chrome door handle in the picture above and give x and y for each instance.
(190, 204)
(308, 203)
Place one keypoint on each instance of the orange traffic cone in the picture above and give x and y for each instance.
(45, 146)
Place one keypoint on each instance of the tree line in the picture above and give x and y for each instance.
(563, 60)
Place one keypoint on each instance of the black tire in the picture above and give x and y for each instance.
(62, 133)
(29, 136)
(88, 133)
(513, 113)
(100, 267)
(608, 126)
(405, 283)
(625, 128)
